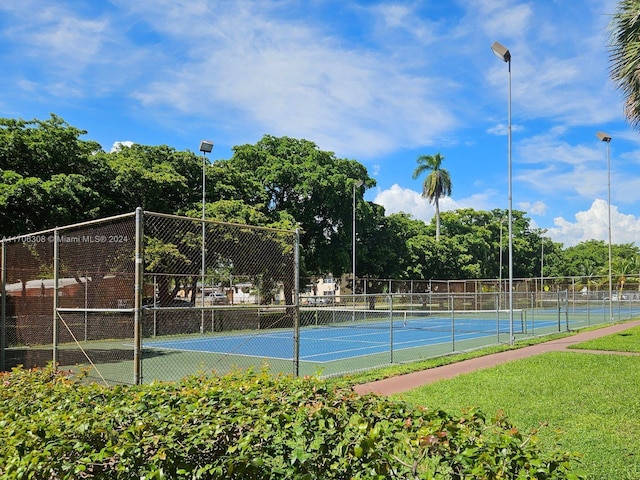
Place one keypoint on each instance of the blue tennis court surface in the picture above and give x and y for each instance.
(326, 344)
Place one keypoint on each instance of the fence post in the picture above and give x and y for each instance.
(559, 308)
(3, 306)
(566, 308)
(137, 313)
(56, 261)
(390, 301)
(296, 302)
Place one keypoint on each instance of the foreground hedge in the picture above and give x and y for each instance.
(248, 426)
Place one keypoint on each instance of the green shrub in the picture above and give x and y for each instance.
(248, 426)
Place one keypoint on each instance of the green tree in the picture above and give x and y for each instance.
(474, 229)
(625, 55)
(441, 259)
(156, 178)
(49, 176)
(43, 148)
(585, 259)
(383, 249)
(313, 187)
(436, 184)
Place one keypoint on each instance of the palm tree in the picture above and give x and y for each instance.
(623, 268)
(625, 55)
(436, 184)
(588, 271)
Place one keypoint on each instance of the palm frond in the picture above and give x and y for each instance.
(625, 56)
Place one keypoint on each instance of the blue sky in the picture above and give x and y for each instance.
(381, 82)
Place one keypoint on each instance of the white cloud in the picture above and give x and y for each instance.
(503, 18)
(558, 72)
(398, 199)
(71, 51)
(61, 31)
(294, 78)
(548, 147)
(548, 165)
(501, 129)
(485, 200)
(593, 224)
(535, 208)
(551, 166)
(117, 146)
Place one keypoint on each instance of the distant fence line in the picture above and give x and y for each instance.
(145, 296)
(594, 286)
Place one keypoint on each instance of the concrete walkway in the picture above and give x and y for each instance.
(410, 381)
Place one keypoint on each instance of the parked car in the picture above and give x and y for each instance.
(318, 301)
(615, 298)
(217, 297)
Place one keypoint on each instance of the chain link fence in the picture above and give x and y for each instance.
(214, 295)
(120, 299)
(343, 332)
(145, 296)
(66, 291)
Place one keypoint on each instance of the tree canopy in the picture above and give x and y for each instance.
(51, 176)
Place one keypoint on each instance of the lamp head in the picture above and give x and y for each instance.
(603, 137)
(206, 146)
(501, 52)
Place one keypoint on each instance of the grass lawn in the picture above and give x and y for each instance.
(589, 401)
(627, 341)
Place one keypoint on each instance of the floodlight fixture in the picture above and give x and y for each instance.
(501, 52)
(206, 146)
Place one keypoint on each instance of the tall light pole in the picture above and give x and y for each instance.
(503, 54)
(206, 146)
(357, 184)
(500, 272)
(607, 139)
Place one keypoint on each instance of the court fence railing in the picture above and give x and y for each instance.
(144, 297)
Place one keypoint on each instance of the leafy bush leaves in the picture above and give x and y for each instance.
(249, 425)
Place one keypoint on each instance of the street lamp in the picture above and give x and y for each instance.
(607, 139)
(357, 184)
(206, 146)
(503, 54)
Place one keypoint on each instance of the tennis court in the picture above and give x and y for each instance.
(331, 335)
(332, 340)
(95, 293)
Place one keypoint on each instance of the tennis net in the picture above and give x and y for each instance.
(438, 320)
